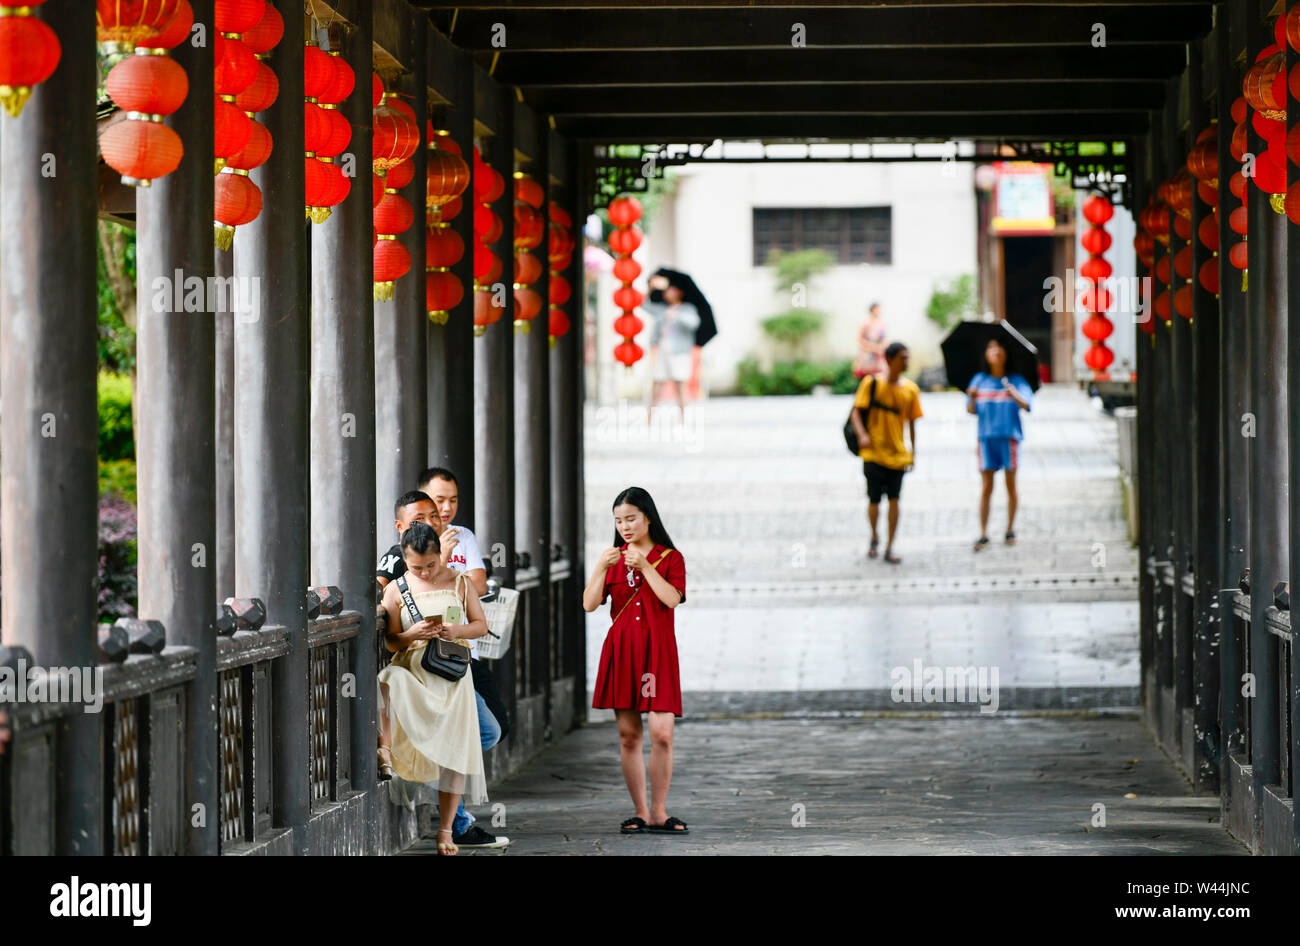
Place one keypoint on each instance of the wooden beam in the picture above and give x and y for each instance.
(995, 9)
(395, 34)
(822, 28)
(818, 66)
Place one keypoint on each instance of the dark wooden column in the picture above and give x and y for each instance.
(532, 409)
(1266, 315)
(401, 400)
(272, 371)
(574, 375)
(451, 346)
(48, 476)
(175, 426)
(343, 405)
(224, 269)
(494, 386)
(1291, 300)
(1207, 518)
(1144, 352)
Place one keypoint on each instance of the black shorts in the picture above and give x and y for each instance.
(881, 481)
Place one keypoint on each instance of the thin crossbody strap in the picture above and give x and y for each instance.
(638, 588)
(411, 609)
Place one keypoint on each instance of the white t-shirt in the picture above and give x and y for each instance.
(465, 557)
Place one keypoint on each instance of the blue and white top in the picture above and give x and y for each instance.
(998, 413)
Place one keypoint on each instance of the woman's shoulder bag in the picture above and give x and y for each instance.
(445, 659)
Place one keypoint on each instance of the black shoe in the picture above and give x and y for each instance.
(475, 836)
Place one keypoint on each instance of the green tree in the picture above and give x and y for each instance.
(953, 301)
(793, 274)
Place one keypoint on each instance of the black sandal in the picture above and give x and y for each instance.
(875, 548)
(892, 559)
(670, 827)
(982, 544)
(1010, 538)
(633, 826)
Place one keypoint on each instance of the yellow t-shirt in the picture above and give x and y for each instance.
(885, 427)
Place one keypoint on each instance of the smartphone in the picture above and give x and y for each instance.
(435, 618)
(453, 614)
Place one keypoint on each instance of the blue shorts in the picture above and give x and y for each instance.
(998, 453)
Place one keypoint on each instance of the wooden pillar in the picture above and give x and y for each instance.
(271, 420)
(401, 398)
(532, 410)
(494, 398)
(451, 346)
(1266, 316)
(1144, 347)
(574, 374)
(224, 464)
(1291, 299)
(48, 476)
(175, 415)
(1207, 518)
(343, 406)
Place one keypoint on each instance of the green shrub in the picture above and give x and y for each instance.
(117, 478)
(953, 301)
(794, 377)
(116, 435)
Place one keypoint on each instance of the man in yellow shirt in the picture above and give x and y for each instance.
(887, 401)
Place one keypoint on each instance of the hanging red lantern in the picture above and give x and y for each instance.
(558, 214)
(1208, 276)
(1237, 220)
(338, 185)
(626, 269)
(529, 226)
(1145, 246)
(1209, 193)
(1270, 171)
(316, 190)
(393, 214)
(395, 136)
(529, 191)
(399, 175)
(559, 324)
(1097, 210)
(1238, 145)
(1098, 357)
(442, 293)
(151, 85)
(489, 185)
(238, 16)
(443, 247)
(141, 151)
(1162, 306)
(1183, 263)
(1097, 328)
(266, 35)
(528, 303)
(1183, 301)
(342, 80)
(237, 201)
(558, 289)
(255, 153)
(376, 90)
(1264, 86)
(236, 66)
(1095, 240)
(1208, 232)
(624, 241)
(486, 311)
(231, 130)
(1203, 159)
(449, 210)
(487, 265)
(337, 132)
(560, 246)
(628, 353)
(446, 177)
(1183, 226)
(628, 298)
(29, 53)
(392, 261)
(628, 324)
(1237, 185)
(121, 25)
(317, 72)
(314, 126)
(1237, 255)
(487, 225)
(261, 92)
(1095, 268)
(1162, 269)
(624, 211)
(1293, 202)
(528, 268)
(174, 33)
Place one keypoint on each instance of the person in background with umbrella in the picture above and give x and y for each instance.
(682, 321)
(997, 398)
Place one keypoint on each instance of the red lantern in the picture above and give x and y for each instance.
(264, 37)
(442, 292)
(376, 90)
(1145, 246)
(446, 177)
(628, 353)
(1097, 210)
(1270, 171)
(1203, 159)
(1183, 263)
(1293, 202)
(141, 151)
(174, 33)
(1162, 269)
(127, 23)
(529, 191)
(393, 214)
(237, 201)
(624, 242)
(486, 311)
(1291, 28)
(400, 175)
(627, 298)
(1237, 147)
(624, 211)
(558, 214)
(528, 303)
(489, 185)
(341, 80)
(558, 290)
(1209, 275)
(1162, 306)
(237, 16)
(1183, 301)
(1098, 357)
(528, 226)
(255, 153)
(487, 225)
(151, 85)
(261, 92)
(231, 130)
(1209, 193)
(392, 262)
(528, 268)
(337, 132)
(1237, 255)
(1095, 298)
(628, 325)
(316, 189)
(317, 72)
(626, 269)
(1262, 85)
(1097, 328)
(487, 265)
(1208, 232)
(559, 324)
(395, 136)
(1095, 268)
(1183, 226)
(449, 210)
(560, 245)
(236, 67)
(443, 247)
(1095, 240)
(314, 127)
(1237, 185)
(1237, 220)
(338, 184)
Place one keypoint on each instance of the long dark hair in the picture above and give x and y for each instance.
(1006, 355)
(636, 496)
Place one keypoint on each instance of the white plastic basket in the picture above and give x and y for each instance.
(500, 614)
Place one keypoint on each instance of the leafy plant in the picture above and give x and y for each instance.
(117, 478)
(118, 584)
(794, 377)
(116, 434)
(116, 297)
(953, 301)
(793, 274)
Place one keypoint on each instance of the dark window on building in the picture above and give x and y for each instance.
(850, 234)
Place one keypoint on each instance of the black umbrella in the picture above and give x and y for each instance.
(963, 352)
(690, 293)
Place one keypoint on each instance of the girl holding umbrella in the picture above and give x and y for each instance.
(997, 398)
(645, 579)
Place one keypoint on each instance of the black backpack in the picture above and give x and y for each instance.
(850, 435)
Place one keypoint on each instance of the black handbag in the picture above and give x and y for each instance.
(851, 435)
(445, 659)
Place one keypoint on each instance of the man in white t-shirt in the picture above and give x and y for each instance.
(460, 552)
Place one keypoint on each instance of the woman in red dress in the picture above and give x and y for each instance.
(645, 578)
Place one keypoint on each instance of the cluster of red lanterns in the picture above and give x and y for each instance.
(624, 212)
(1264, 89)
(327, 81)
(396, 136)
(560, 245)
(446, 178)
(1154, 219)
(1203, 164)
(1237, 185)
(237, 199)
(1095, 271)
(29, 54)
(489, 185)
(235, 69)
(530, 229)
(1144, 245)
(145, 86)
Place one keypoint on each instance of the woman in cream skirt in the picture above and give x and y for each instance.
(434, 720)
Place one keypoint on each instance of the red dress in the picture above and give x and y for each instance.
(641, 641)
